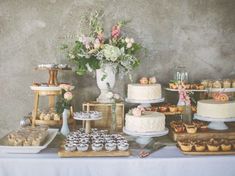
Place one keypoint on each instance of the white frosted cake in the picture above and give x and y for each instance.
(147, 122)
(216, 109)
(144, 91)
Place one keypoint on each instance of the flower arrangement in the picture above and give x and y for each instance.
(93, 51)
(64, 102)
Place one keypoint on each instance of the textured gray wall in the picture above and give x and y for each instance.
(197, 33)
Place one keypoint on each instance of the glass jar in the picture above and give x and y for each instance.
(181, 74)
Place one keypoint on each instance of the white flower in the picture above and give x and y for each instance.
(71, 56)
(68, 96)
(111, 52)
(109, 95)
(129, 42)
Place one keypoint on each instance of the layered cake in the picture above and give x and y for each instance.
(144, 91)
(146, 122)
(216, 109)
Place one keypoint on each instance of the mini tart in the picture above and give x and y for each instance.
(179, 128)
(200, 147)
(173, 108)
(226, 147)
(186, 147)
(212, 147)
(191, 130)
(187, 86)
(163, 108)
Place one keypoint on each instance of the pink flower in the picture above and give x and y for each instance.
(136, 112)
(68, 96)
(116, 31)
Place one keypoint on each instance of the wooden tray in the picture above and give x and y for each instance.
(227, 134)
(206, 152)
(103, 153)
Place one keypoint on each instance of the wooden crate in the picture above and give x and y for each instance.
(105, 108)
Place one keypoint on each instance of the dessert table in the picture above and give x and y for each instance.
(167, 161)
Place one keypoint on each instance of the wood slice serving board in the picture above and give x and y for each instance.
(103, 153)
(227, 134)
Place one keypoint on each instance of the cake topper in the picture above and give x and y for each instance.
(151, 80)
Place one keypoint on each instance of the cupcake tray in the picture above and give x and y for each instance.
(229, 134)
(103, 153)
(207, 152)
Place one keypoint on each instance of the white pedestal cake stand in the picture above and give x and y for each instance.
(87, 122)
(145, 138)
(216, 124)
(145, 103)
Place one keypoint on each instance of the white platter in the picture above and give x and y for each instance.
(50, 88)
(77, 118)
(28, 149)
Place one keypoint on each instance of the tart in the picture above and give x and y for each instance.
(213, 145)
(200, 87)
(200, 147)
(163, 108)
(205, 83)
(187, 86)
(191, 130)
(173, 108)
(185, 146)
(226, 146)
(179, 128)
(217, 84)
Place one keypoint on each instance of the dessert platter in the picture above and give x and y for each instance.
(145, 92)
(27, 140)
(93, 144)
(47, 87)
(207, 147)
(217, 112)
(88, 117)
(144, 125)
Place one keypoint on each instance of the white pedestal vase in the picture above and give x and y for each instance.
(105, 78)
(65, 128)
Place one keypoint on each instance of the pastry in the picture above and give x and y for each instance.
(82, 147)
(110, 146)
(56, 117)
(205, 83)
(200, 147)
(200, 87)
(185, 146)
(226, 83)
(217, 84)
(173, 108)
(179, 128)
(210, 84)
(191, 129)
(194, 109)
(47, 117)
(213, 145)
(97, 146)
(123, 146)
(226, 146)
(144, 80)
(163, 108)
(187, 86)
(152, 80)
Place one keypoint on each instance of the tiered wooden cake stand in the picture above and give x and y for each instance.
(52, 91)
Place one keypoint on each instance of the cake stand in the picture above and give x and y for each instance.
(215, 123)
(145, 138)
(87, 121)
(145, 103)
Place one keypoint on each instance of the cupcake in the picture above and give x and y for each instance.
(200, 87)
(82, 147)
(226, 83)
(179, 128)
(225, 145)
(163, 108)
(110, 146)
(180, 108)
(97, 146)
(123, 146)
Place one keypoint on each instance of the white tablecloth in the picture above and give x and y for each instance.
(167, 161)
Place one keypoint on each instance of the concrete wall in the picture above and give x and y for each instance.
(199, 34)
